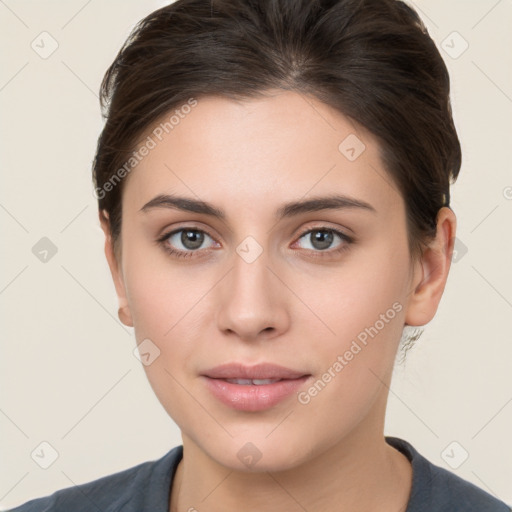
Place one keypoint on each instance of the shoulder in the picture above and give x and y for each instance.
(145, 486)
(437, 489)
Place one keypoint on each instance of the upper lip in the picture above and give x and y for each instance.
(258, 371)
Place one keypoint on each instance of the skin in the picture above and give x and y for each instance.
(286, 307)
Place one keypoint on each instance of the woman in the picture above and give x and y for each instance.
(273, 183)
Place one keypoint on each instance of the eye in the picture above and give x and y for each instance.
(184, 242)
(322, 238)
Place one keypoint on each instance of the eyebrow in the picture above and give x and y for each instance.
(331, 202)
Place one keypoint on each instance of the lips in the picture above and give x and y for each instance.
(253, 388)
(259, 371)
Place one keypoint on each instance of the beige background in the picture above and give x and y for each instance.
(68, 374)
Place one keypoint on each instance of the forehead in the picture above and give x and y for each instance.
(244, 152)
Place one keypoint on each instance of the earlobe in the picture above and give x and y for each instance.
(431, 272)
(125, 316)
(123, 313)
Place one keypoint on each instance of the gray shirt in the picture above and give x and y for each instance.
(146, 487)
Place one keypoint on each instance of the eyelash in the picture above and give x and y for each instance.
(347, 240)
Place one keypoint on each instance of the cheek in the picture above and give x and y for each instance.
(363, 304)
(366, 312)
(160, 295)
(164, 304)
(367, 290)
(172, 305)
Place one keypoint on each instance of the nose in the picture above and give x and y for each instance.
(252, 301)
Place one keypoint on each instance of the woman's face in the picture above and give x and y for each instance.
(322, 292)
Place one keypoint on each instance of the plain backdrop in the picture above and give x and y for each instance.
(68, 374)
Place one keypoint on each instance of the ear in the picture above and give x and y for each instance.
(116, 271)
(431, 271)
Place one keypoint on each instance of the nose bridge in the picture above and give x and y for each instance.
(251, 301)
(250, 274)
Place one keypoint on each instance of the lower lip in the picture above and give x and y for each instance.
(252, 397)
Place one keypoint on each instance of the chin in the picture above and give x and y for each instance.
(255, 454)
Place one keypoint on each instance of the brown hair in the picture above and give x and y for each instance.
(372, 60)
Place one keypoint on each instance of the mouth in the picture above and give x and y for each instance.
(262, 371)
(252, 382)
(253, 388)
